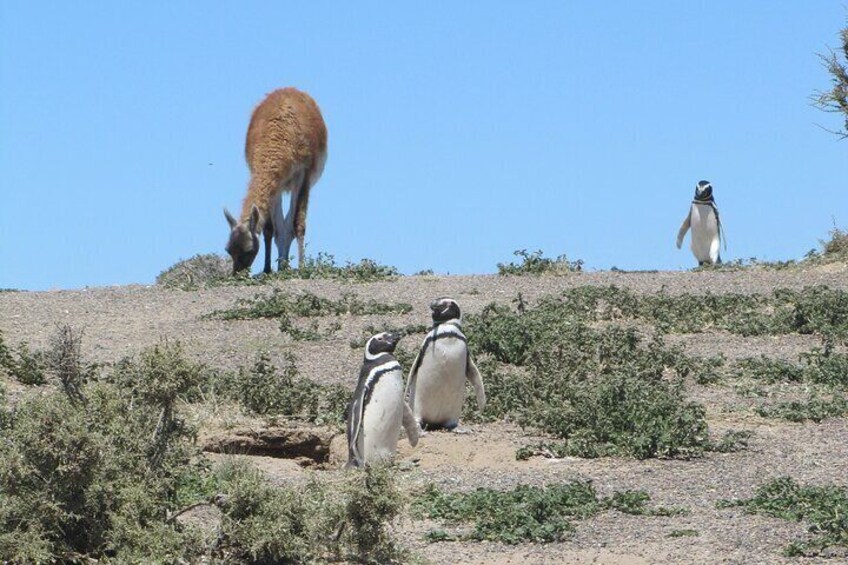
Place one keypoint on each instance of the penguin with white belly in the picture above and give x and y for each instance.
(378, 409)
(705, 223)
(435, 388)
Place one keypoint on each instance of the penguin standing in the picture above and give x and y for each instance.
(377, 409)
(436, 386)
(705, 222)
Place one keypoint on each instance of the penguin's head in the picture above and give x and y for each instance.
(703, 190)
(445, 309)
(381, 343)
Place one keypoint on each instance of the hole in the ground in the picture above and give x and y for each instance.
(308, 446)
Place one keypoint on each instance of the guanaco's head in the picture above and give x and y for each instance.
(244, 240)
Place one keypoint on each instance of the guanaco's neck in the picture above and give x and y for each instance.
(259, 194)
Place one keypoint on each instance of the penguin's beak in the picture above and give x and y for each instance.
(394, 338)
(434, 305)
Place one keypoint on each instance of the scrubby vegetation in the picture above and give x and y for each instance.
(603, 391)
(263, 389)
(211, 270)
(280, 304)
(343, 518)
(534, 263)
(825, 508)
(200, 271)
(526, 513)
(101, 465)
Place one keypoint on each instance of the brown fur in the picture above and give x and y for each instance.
(286, 134)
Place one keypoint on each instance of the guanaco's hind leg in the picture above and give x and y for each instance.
(284, 228)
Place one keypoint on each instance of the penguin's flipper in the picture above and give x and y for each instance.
(410, 425)
(473, 376)
(413, 376)
(354, 428)
(684, 227)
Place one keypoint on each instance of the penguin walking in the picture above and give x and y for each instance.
(435, 388)
(705, 222)
(378, 409)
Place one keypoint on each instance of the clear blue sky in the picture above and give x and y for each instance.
(458, 131)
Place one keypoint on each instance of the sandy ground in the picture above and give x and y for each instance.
(120, 321)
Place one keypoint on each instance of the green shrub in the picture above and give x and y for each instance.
(533, 263)
(263, 389)
(837, 246)
(815, 408)
(825, 508)
(27, 369)
(526, 513)
(306, 304)
(324, 267)
(601, 390)
(94, 473)
(346, 519)
(820, 366)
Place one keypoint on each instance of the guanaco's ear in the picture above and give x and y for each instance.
(254, 218)
(230, 220)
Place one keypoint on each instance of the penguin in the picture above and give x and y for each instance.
(435, 388)
(703, 218)
(378, 409)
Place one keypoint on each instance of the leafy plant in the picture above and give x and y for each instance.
(93, 471)
(601, 390)
(825, 508)
(347, 519)
(533, 263)
(306, 304)
(263, 389)
(526, 513)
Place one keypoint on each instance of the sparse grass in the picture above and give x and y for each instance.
(825, 508)
(686, 533)
(281, 304)
(526, 513)
(533, 263)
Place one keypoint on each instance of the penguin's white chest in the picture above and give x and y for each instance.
(440, 386)
(705, 237)
(382, 417)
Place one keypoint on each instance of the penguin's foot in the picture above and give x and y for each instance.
(462, 430)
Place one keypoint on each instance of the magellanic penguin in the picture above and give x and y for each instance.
(435, 388)
(378, 409)
(703, 218)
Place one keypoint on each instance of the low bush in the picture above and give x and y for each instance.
(526, 513)
(825, 508)
(263, 389)
(601, 390)
(281, 304)
(200, 271)
(533, 263)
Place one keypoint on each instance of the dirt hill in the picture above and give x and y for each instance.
(120, 321)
